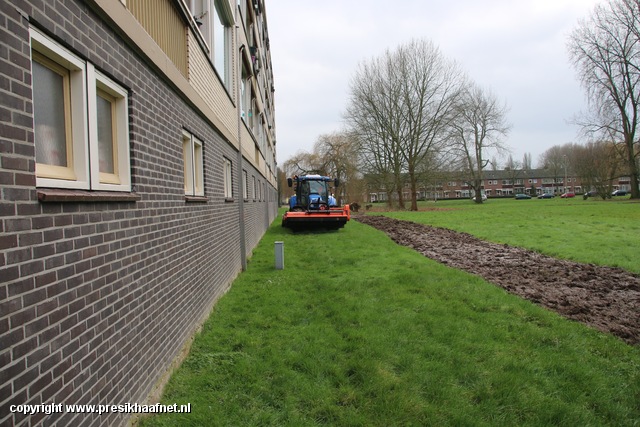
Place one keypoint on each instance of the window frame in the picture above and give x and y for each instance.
(227, 178)
(245, 186)
(221, 28)
(83, 171)
(57, 171)
(214, 19)
(76, 174)
(120, 179)
(193, 164)
(245, 94)
(254, 189)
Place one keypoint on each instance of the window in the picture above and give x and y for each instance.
(215, 19)
(193, 165)
(220, 43)
(109, 131)
(253, 109)
(228, 188)
(245, 186)
(255, 190)
(80, 122)
(245, 91)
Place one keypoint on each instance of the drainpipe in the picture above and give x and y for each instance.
(238, 77)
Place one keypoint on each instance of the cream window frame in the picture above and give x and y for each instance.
(193, 157)
(76, 174)
(245, 185)
(84, 83)
(120, 179)
(55, 171)
(254, 189)
(227, 179)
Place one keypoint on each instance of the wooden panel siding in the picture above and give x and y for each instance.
(205, 81)
(164, 24)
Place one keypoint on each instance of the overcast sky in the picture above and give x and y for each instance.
(515, 48)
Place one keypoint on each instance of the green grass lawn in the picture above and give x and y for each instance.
(591, 231)
(357, 331)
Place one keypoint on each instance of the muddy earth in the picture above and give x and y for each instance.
(602, 297)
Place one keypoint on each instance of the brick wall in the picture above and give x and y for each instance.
(97, 298)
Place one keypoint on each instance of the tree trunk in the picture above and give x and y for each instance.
(633, 171)
(478, 190)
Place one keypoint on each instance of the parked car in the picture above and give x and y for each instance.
(591, 193)
(568, 195)
(522, 196)
(484, 197)
(546, 196)
(620, 193)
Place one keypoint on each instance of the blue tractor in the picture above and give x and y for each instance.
(313, 205)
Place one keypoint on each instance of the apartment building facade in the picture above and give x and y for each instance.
(137, 173)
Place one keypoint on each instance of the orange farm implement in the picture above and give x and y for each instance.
(313, 206)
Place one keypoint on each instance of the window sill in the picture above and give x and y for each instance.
(229, 200)
(50, 195)
(196, 199)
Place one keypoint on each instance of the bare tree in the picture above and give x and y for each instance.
(479, 127)
(514, 172)
(335, 155)
(432, 85)
(559, 161)
(302, 163)
(374, 117)
(338, 154)
(527, 162)
(401, 105)
(605, 50)
(598, 165)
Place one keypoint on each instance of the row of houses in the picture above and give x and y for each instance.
(137, 173)
(501, 183)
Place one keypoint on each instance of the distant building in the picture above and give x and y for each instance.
(138, 172)
(500, 183)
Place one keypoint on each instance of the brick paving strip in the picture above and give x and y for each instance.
(605, 298)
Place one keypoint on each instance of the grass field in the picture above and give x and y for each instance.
(357, 331)
(592, 231)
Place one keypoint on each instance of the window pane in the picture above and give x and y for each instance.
(198, 173)
(105, 134)
(243, 93)
(187, 153)
(49, 111)
(219, 44)
(228, 191)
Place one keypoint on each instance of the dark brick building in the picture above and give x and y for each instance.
(137, 173)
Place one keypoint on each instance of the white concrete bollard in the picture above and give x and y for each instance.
(279, 248)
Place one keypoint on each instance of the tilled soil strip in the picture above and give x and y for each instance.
(602, 297)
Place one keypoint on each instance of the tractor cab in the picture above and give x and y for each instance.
(312, 193)
(313, 205)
